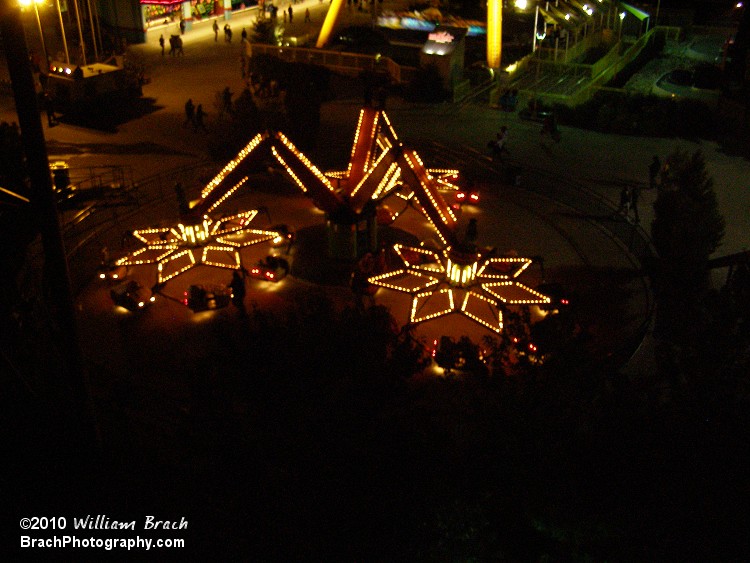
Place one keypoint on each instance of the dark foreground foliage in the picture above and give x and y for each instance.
(306, 438)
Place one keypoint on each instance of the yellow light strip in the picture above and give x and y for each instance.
(243, 218)
(289, 170)
(414, 309)
(391, 130)
(354, 144)
(373, 131)
(537, 296)
(434, 264)
(480, 320)
(390, 179)
(232, 164)
(378, 280)
(263, 236)
(138, 233)
(451, 219)
(314, 169)
(227, 194)
(230, 251)
(129, 260)
(524, 263)
(366, 176)
(164, 279)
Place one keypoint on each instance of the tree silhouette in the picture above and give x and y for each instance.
(687, 228)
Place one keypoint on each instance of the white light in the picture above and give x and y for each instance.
(622, 15)
(521, 4)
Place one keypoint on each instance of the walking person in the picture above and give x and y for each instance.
(634, 195)
(49, 108)
(178, 42)
(161, 44)
(237, 285)
(307, 15)
(182, 27)
(653, 172)
(199, 115)
(189, 113)
(215, 27)
(182, 203)
(226, 101)
(549, 126)
(291, 14)
(622, 209)
(500, 144)
(243, 35)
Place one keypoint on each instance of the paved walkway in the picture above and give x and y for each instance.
(531, 218)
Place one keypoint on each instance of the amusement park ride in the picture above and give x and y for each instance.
(459, 277)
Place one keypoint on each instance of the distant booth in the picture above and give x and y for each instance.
(133, 20)
(80, 88)
(444, 49)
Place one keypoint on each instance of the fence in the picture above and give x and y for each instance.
(345, 63)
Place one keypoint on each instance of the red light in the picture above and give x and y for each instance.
(532, 347)
(515, 340)
(460, 195)
(564, 301)
(269, 275)
(255, 271)
(474, 197)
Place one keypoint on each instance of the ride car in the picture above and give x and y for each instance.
(132, 296)
(466, 196)
(112, 272)
(207, 297)
(285, 236)
(271, 268)
(559, 296)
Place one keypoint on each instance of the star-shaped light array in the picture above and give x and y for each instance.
(210, 242)
(458, 281)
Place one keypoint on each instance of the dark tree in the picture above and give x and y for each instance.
(235, 129)
(264, 31)
(686, 230)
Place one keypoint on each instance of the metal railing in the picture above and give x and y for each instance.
(339, 61)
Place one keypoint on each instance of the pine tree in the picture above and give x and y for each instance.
(686, 230)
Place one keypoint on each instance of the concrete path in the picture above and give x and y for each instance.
(590, 166)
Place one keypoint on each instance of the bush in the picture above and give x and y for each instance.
(620, 113)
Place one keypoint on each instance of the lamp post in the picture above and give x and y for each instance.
(93, 30)
(62, 31)
(79, 418)
(80, 32)
(25, 4)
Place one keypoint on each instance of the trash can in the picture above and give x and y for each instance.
(60, 175)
